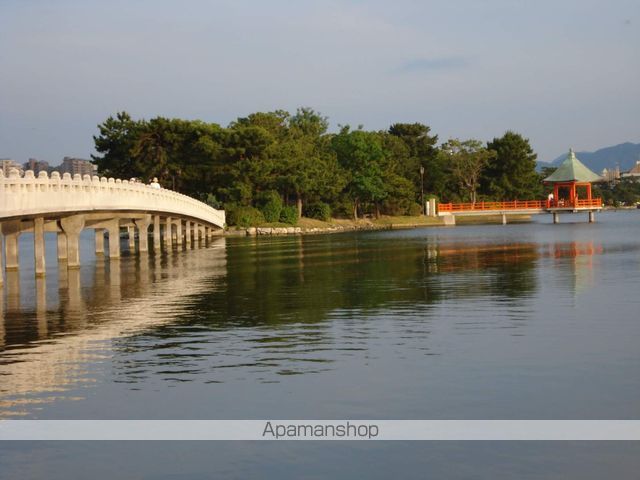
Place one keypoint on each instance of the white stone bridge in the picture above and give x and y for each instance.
(67, 205)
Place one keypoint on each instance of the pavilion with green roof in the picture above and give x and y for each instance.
(566, 180)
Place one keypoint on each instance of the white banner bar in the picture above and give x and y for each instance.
(541, 430)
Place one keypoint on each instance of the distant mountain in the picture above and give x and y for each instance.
(625, 155)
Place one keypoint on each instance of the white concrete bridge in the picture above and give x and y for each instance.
(67, 205)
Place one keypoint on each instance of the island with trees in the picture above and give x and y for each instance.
(275, 167)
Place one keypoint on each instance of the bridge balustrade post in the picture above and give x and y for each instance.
(11, 231)
(72, 227)
(143, 232)
(38, 246)
(156, 233)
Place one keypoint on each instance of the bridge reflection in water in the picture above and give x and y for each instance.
(260, 308)
(49, 337)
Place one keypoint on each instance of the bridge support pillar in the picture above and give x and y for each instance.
(449, 220)
(556, 217)
(187, 233)
(61, 241)
(11, 231)
(132, 238)
(167, 233)
(199, 234)
(592, 217)
(113, 227)
(156, 233)
(179, 232)
(72, 226)
(504, 218)
(38, 246)
(143, 232)
(99, 234)
(207, 234)
(1, 281)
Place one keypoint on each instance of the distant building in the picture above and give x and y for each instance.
(634, 172)
(75, 166)
(6, 164)
(611, 176)
(37, 165)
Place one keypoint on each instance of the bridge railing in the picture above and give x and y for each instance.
(593, 202)
(501, 206)
(31, 195)
(519, 205)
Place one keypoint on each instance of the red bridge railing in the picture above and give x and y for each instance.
(519, 205)
(594, 202)
(511, 205)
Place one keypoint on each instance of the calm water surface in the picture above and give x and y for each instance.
(532, 321)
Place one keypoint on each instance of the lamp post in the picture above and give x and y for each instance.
(422, 189)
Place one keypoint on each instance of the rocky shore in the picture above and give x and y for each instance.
(333, 228)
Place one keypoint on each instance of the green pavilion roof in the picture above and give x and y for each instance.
(572, 170)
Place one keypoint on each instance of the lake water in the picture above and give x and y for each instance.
(528, 321)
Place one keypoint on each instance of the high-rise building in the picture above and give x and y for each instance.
(77, 166)
(6, 164)
(36, 165)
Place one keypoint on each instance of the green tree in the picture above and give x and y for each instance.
(422, 152)
(511, 173)
(152, 151)
(303, 159)
(361, 154)
(246, 166)
(466, 161)
(117, 136)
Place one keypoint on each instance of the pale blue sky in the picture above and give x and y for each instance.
(563, 73)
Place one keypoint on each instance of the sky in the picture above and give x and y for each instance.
(563, 73)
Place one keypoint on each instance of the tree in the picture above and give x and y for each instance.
(361, 154)
(511, 173)
(422, 152)
(152, 149)
(466, 161)
(303, 159)
(114, 143)
(246, 166)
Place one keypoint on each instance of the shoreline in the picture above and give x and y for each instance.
(308, 226)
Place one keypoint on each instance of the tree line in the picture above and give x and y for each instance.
(281, 164)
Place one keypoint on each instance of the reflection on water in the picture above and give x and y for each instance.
(422, 319)
(46, 350)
